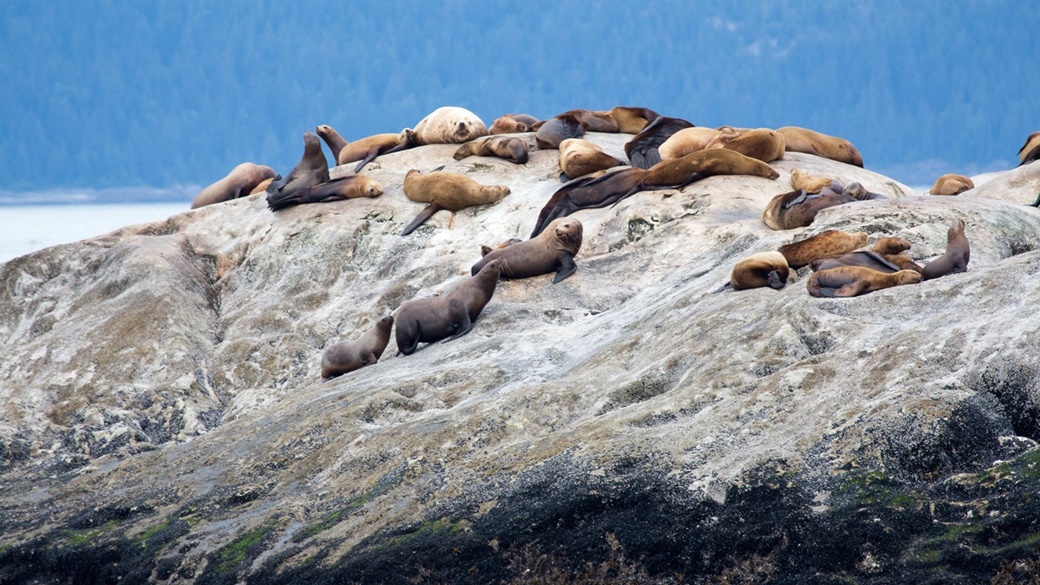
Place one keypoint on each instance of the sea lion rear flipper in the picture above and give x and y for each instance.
(414, 343)
(420, 219)
(723, 287)
(567, 268)
(369, 157)
(563, 177)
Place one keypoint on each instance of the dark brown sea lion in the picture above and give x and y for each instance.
(823, 245)
(798, 209)
(450, 315)
(812, 142)
(513, 124)
(365, 149)
(642, 150)
(951, 184)
(632, 120)
(1030, 151)
(446, 190)
(760, 143)
(588, 192)
(849, 281)
(955, 260)
(595, 121)
(555, 130)
(677, 173)
(313, 169)
(243, 180)
(347, 356)
(580, 157)
(760, 270)
(553, 250)
(349, 187)
(686, 141)
(509, 148)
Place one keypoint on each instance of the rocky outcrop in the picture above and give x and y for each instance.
(165, 420)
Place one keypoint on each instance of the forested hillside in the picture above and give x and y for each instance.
(112, 94)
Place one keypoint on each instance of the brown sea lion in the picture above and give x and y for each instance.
(798, 209)
(512, 124)
(595, 121)
(588, 192)
(803, 181)
(349, 187)
(823, 245)
(812, 142)
(686, 141)
(449, 125)
(760, 270)
(760, 143)
(580, 157)
(632, 120)
(365, 149)
(313, 169)
(642, 150)
(450, 315)
(849, 281)
(347, 356)
(951, 184)
(446, 190)
(955, 260)
(1030, 151)
(243, 180)
(553, 250)
(677, 173)
(332, 139)
(485, 250)
(555, 130)
(509, 148)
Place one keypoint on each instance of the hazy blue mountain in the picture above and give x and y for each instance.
(111, 93)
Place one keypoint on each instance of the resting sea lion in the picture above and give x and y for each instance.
(349, 187)
(364, 351)
(555, 130)
(803, 181)
(365, 149)
(553, 250)
(798, 209)
(588, 192)
(313, 169)
(823, 245)
(450, 315)
(580, 157)
(955, 260)
(509, 148)
(512, 124)
(812, 142)
(686, 141)
(243, 180)
(849, 281)
(632, 120)
(595, 121)
(1030, 151)
(760, 270)
(761, 143)
(951, 184)
(863, 258)
(642, 150)
(445, 190)
(890, 245)
(449, 125)
(677, 173)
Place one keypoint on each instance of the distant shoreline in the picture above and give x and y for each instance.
(87, 196)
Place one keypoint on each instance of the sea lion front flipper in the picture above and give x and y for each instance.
(774, 280)
(563, 177)
(464, 327)
(420, 219)
(567, 268)
(369, 157)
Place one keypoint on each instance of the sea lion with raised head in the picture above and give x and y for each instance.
(313, 169)
(850, 281)
(244, 179)
(812, 142)
(509, 148)
(951, 184)
(588, 192)
(823, 245)
(760, 143)
(760, 270)
(580, 157)
(686, 141)
(446, 190)
(513, 124)
(447, 316)
(1030, 151)
(957, 255)
(555, 130)
(796, 209)
(553, 250)
(642, 150)
(349, 187)
(347, 356)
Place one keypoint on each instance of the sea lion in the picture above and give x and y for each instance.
(677, 173)
(955, 260)
(334, 140)
(313, 169)
(632, 120)
(485, 250)
(509, 148)
(347, 356)
(686, 141)
(580, 157)
(588, 192)
(809, 141)
(595, 121)
(349, 187)
(446, 190)
(555, 130)
(1030, 151)
(642, 150)
(760, 270)
(553, 250)
(863, 258)
(450, 315)
(449, 125)
(243, 180)
(849, 281)
(512, 124)
(823, 245)
(803, 181)
(890, 245)
(951, 184)
(798, 209)
(760, 143)
(365, 149)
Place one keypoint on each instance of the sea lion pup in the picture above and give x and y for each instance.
(760, 270)
(823, 245)
(555, 130)
(509, 148)
(798, 209)
(243, 180)
(761, 143)
(803, 181)
(812, 142)
(446, 190)
(632, 120)
(677, 173)
(313, 169)
(553, 250)
(450, 315)
(347, 356)
(580, 157)
(1030, 151)
(686, 141)
(485, 250)
(849, 281)
(588, 192)
(595, 121)
(951, 184)
(642, 150)
(449, 125)
(349, 187)
(365, 149)
(955, 260)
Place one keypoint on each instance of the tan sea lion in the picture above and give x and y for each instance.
(485, 250)
(509, 148)
(798, 209)
(347, 356)
(890, 245)
(595, 121)
(760, 143)
(580, 157)
(365, 149)
(588, 192)
(449, 125)
(803, 181)
(955, 260)
(760, 270)
(849, 281)
(951, 184)
(349, 187)
(823, 245)
(243, 180)
(555, 130)
(632, 120)
(446, 190)
(1030, 151)
(809, 141)
(642, 150)
(686, 141)
(450, 315)
(512, 124)
(553, 250)
(313, 169)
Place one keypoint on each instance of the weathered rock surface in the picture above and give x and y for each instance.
(164, 418)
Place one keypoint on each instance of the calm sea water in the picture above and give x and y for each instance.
(27, 228)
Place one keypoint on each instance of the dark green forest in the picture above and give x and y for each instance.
(121, 93)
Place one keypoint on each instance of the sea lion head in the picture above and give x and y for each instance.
(517, 150)
(908, 277)
(569, 232)
(371, 188)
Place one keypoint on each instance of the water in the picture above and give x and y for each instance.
(27, 228)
